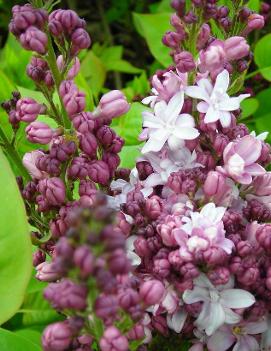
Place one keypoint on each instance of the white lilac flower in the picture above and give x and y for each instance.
(217, 303)
(261, 136)
(266, 337)
(216, 103)
(240, 335)
(167, 125)
(176, 320)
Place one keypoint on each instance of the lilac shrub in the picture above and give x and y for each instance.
(178, 248)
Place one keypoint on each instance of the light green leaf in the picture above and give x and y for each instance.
(122, 66)
(264, 99)
(262, 55)
(152, 28)
(128, 155)
(130, 125)
(249, 107)
(112, 53)
(30, 334)
(15, 342)
(94, 72)
(82, 84)
(15, 245)
(254, 5)
(6, 87)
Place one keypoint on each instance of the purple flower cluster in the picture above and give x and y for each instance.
(89, 277)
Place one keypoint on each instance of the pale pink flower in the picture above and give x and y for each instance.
(216, 104)
(240, 159)
(217, 303)
(29, 161)
(240, 335)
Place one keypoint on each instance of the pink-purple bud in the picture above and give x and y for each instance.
(113, 104)
(113, 340)
(152, 292)
(53, 189)
(46, 272)
(255, 22)
(236, 48)
(34, 39)
(39, 132)
(185, 61)
(84, 122)
(88, 144)
(57, 337)
(80, 40)
(215, 184)
(99, 172)
(27, 110)
(153, 207)
(106, 306)
(74, 101)
(84, 260)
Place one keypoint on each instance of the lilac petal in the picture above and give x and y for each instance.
(255, 169)
(244, 179)
(197, 93)
(231, 317)
(222, 82)
(225, 119)
(196, 295)
(216, 318)
(155, 143)
(153, 180)
(249, 148)
(212, 115)
(206, 85)
(221, 340)
(256, 327)
(176, 320)
(175, 143)
(236, 298)
(246, 343)
(174, 106)
(202, 107)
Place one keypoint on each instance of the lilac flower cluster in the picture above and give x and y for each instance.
(90, 283)
(190, 251)
(198, 200)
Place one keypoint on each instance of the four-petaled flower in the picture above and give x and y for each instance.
(216, 104)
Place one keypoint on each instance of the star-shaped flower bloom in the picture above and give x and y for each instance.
(216, 103)
(217, 303)
(167, 125)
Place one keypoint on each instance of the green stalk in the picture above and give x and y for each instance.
(12, 153)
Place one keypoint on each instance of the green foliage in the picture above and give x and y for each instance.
(262, 56)
(20, 341)
(14, 238)
(152, 28)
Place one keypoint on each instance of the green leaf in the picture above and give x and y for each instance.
(15, 245)
(6, 87)
(36, 95)
(264, 99)
(122, 66)
(30, 334)
(262, 54)
(249, 107)
(94, 72)
(152, 28)
(130, 125)
(16, 342)
(254, 5)
(112, 53)
(128, 155)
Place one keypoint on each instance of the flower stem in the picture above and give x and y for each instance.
(12, 153)
(51, 59)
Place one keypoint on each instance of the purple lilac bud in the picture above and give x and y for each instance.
(99, 172)
(151, 292)
(116, 145)
(88, 144)
(176, 22)
(203, 36)
(189, 271)
(106, 306)
(80, 40)
(219, 276)
(112, 160)
(118, 262)
(128, 298)
(172, 39)
(66, 295)
(162, 267)
(53, 189)
(46, 272)
(38, 258)
(74, 102)
(160, 324)
(36, 69)
(215, 184)
(263, 236)
(255, 22)
(27, 110)
(236, 48)
(63, 150)
(153, 207)
(137, 332)
(185, 61)
(34, 40)
(79, 168)
(57, 337)
(84, 260)
(179, 6)
(113, 104)
(219, 143)
(38, 132)
(112, 340)
(105, 136)
(84, 122)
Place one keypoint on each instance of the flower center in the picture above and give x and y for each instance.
(237, 330)
(214, 295)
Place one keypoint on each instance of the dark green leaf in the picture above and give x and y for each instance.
(262, 54)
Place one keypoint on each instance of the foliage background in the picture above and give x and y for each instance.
(126, 51)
